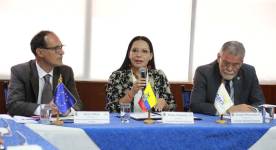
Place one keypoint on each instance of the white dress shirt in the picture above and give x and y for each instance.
(41, 74)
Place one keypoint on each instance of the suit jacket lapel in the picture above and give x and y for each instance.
(34, 78)
(217, 84)
(217, 80)
(237, 88)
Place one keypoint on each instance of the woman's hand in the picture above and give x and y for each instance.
(161, 105)
(139, 84)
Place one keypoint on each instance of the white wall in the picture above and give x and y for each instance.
(252, 22)
(114, 23)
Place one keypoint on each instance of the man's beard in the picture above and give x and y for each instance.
(227, 76)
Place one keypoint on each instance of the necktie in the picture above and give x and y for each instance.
(227, 86)
(47, 94)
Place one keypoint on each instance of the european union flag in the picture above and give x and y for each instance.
(63, 98)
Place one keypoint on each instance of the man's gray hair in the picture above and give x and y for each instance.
(234, 48)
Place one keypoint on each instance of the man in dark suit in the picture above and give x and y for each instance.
(27, 83)
(243, 84)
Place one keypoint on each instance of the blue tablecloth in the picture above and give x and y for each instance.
(204, 134)
(31, 137)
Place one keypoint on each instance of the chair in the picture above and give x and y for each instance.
(186, 94)
(4, 92)
(5, 88)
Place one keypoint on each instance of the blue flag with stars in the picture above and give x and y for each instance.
(63, 98)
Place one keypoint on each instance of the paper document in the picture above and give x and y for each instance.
(24, 147)
(5, 116)
(4, 131)
(23, 119)
(144, 115)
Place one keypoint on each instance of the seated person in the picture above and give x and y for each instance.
(25, 91)
(125, 84)
(244, 88)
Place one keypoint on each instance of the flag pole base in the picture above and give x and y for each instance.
(149, 121)
(221, 121)
(58, 123)
(1, 141)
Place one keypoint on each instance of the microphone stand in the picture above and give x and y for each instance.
(221, 120)
(148, 120)
(58, 122)
(143, 73)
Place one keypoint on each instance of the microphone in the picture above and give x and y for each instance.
(143, 73)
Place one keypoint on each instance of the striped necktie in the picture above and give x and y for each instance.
(47, 94)
(227, 86)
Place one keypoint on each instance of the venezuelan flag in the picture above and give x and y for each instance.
(142, 104)
(148, 100)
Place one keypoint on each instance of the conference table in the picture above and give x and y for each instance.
(203, 134)
(19, 134)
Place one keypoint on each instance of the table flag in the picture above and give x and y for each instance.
(63, 98)
(222, 101)
(148, 99)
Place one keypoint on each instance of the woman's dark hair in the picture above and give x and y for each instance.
(38, 41)
(126, 64)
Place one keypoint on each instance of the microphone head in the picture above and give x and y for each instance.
(143, 72)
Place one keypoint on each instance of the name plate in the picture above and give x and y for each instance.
(248, 117)
(22, 147)
(178, 117)
(91, 117)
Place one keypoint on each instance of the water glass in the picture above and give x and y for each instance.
(268, 114)
(125, 112)
(45, 114)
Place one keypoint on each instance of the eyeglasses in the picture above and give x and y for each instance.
(233, 65)
(56, 48)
